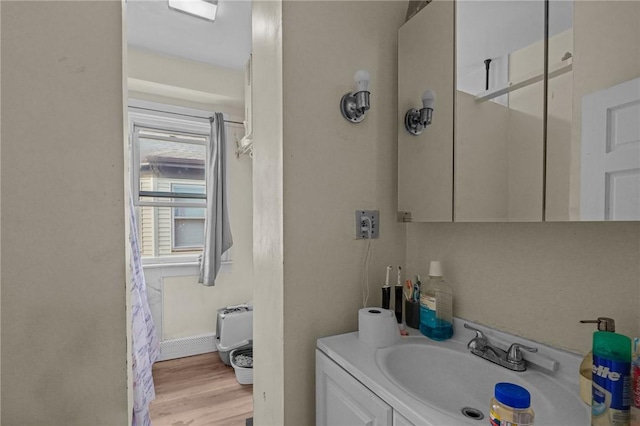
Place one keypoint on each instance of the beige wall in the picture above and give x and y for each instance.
(526, 134)
(314, 170)
(537, 280)
(499, 149)
(331, 168)
(189, 308)
(498, 162)
(606, 39)
(482, 160)
(0, 228)
(166, 79)
(559, 116)
(268, 251)
(63, 247)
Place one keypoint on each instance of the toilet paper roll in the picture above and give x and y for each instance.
(377, 327)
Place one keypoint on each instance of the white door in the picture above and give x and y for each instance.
(610, 169)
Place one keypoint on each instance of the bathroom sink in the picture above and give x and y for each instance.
(446, 376)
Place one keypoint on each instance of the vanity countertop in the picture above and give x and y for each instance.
(552, 376)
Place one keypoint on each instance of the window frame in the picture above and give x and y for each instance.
(151, 116)
(147, 121)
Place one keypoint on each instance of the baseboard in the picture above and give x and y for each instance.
(187, 346)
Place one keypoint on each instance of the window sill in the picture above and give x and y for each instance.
(163, 262)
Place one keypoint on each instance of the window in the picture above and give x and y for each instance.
(169, 159)
(188, 222)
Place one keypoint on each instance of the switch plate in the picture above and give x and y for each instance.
(362, 224)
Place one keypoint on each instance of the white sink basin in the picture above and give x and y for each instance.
(447, 376)
(429, 382)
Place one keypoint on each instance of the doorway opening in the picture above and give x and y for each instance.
(182, 70)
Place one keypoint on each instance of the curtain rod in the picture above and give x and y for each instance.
(185, 115)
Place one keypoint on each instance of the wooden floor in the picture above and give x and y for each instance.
(199, 390)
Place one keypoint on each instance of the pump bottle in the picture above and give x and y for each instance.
(586, 366)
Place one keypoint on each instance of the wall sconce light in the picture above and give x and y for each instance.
(416, 120)
(354, 106)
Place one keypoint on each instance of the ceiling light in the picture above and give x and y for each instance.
(201, 8)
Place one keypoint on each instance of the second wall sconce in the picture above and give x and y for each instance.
(416, 120)
(354, 105)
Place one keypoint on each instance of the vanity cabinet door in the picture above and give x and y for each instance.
(399, 420)
(342, 400)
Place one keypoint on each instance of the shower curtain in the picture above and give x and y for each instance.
(217, 237)
(145, 347)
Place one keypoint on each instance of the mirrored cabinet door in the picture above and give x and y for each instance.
(425, 81)
(559, 111)
(593, 128)
(499, 98)
(489, 151)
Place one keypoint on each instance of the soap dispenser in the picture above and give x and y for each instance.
(586, 366)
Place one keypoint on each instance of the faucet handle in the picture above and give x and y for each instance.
(478, 343)
(479, 333)
(515, 355)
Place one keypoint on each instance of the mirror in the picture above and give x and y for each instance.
(425, 160)
(499, 125)
(559, 112)
(512, 160)
(593, 125)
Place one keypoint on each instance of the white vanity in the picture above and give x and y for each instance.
(422, 382)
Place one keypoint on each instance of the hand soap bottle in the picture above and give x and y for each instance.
(436, 306)
(604, 324)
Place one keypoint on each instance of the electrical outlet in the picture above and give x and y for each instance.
(363, 217)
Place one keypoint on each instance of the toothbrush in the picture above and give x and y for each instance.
(386, 291)
(398, 296)
(409, 287)
(386, 281)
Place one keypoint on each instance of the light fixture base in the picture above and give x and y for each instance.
(412, 122)
(349, 107)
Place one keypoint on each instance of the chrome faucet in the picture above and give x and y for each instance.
(511, 358)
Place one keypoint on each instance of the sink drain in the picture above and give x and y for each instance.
(472, 413)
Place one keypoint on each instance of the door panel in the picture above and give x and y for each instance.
(610, 169)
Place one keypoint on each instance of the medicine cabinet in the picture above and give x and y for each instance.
(509, 142)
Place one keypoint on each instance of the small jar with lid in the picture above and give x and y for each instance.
(510, 405)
